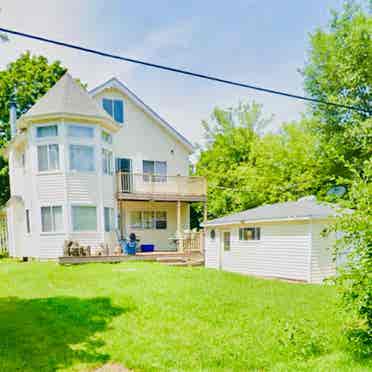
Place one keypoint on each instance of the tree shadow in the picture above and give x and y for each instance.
(45, 334)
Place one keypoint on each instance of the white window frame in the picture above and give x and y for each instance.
(107, 162)
(44, 126)
(155, 177)
(54, 230)
(111, 216)
(28, 221)
(49, 170)
(256, 233)
(223, 232)
(70, 146)
(155, 219)
(91, 130)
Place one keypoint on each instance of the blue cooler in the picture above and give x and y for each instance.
(147, 247)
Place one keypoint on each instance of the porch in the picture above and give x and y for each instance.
(157, 209)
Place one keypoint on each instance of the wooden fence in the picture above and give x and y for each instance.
(3, 234)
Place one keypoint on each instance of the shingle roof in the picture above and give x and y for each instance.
(306, 207)
(67, 97)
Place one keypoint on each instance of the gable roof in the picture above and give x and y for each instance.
(66, 97)
(117, 84)
(304, 208)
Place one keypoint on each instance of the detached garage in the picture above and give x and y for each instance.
(280, 240)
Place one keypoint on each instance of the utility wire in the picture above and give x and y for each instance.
(184, 72)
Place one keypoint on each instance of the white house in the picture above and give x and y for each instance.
(282, 240)
(85, 165)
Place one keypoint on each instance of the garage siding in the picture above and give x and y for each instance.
(211, 249)
(322, 264)
(283, 251)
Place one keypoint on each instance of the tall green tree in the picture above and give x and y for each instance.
(339, 69)
(28, 78)
(229, 136)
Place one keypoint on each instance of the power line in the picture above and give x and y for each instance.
(180, 71)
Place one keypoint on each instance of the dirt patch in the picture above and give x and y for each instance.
(112, 368)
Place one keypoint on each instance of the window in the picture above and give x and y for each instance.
(80, 131)
(28, 225)
(109, 219)
(107, 162)
(51, 219)
(226, 240)
(249, 233)
(82, 158)
(148, 220)
(106, 137)
(115, 108)
(47, 131)
(48, 157)
(161, 220)
(154, 171)
(84, 218)
(136, 220)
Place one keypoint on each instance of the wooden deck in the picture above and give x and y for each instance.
(148, 256)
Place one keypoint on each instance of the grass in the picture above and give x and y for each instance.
(149, 317)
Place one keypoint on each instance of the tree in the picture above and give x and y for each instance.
(28, 78)
(229, 137)
(339, 69)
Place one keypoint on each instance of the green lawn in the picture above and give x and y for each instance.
(151, 317)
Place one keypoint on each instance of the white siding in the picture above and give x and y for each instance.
(51, 245)
(211, 250)
(322, 265)
(282, 252)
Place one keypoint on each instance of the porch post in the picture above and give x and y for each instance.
(205, 212)
(178, 232)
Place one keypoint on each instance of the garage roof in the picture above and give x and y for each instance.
(307, 207)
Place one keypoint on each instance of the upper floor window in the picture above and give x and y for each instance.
(80, 131)
(82, 158)
(154, 171)
(115, 108)
(106, 137)
(107, 162)
(249, 233)
(48, 157)
(47, 131)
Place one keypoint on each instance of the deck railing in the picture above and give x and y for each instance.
(160, 184)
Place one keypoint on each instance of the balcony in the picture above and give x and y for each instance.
(135, 186)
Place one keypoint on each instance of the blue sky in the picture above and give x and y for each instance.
(257, 42)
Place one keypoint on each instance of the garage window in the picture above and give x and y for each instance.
(250, 233)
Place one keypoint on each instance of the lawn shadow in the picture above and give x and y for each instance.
(45, 334)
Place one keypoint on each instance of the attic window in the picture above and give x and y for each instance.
(115, 108)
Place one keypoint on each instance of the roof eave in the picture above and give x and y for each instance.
(241, 222)
(108, 123)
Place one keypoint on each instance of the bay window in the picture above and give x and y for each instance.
(48, 157)
(80, 131)
(47, 131)
(109, 219)
(82, 158)
(84, 218)
(51, 219)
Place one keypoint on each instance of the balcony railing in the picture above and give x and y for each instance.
(161, 186)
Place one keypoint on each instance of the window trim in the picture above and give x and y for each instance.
(155, 220)
(107, 163)
(70, 162)
(256, 233)
(111, 111)
(48, 144)
(53, 231)
(111, 219)
(45, 126)
(72, 218)
(89, 127)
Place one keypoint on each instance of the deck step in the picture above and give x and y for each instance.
(170, 259)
